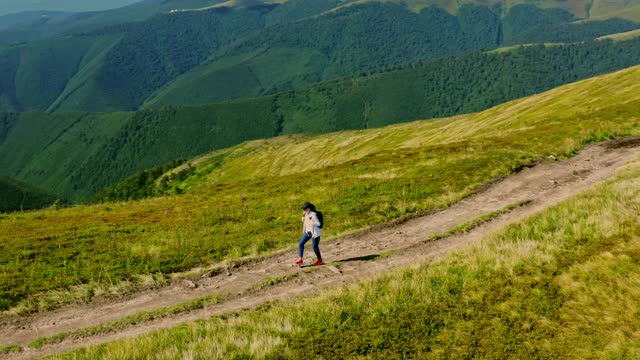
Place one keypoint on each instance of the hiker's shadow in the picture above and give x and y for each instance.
(361, 258)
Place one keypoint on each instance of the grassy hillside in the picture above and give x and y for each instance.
(559, 285)
(580, 8)
(622, 36)
(627, 9)
(138, 141)
(243, 200)
(16, 196)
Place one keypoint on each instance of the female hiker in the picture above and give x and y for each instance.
(310, 230)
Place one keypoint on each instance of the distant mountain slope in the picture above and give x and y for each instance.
(580, 8)
(155, 54)
(45, 149)
(364, 38)
(41, 148)
(625, 9)
(15, 22)
(356, 39)
(17, 196)
(14, 6)
(546, 112)
(37, 25)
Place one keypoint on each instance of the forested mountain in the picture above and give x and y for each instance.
(16, 6)
(133, 58)
(15, 22)
(365, 38)
(39, 148)
(37, 25)
(17, 196)
(160, 80)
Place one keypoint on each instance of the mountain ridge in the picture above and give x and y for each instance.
(169, 67)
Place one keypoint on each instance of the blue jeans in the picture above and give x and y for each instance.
(304, 240)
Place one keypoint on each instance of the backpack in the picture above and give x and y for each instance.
(320, 219)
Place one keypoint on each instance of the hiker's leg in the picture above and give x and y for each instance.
(316, 248)
(303, 241)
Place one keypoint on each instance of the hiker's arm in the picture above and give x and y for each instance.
(315, 220)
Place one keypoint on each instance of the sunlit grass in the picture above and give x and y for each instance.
(560, 284)
(7, 349)
(465, 227)
(134, 319)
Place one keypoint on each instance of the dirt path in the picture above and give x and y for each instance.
(359, 254)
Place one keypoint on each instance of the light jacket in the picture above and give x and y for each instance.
(311, 221)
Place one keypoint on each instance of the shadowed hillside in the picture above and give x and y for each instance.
(16, 196)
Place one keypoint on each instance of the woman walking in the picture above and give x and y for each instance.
(310, 230)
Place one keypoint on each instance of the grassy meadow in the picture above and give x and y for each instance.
(562, 284)
(628, 35)
(244, 201)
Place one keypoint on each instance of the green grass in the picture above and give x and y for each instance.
(127, 321)
(468, 226)
(273, 280)
(622, 36)
(244, 201)
(561, 284)
(603, 9)
(8, 349)
(575, 7)
(506, 49)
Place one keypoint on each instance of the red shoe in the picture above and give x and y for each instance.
(299, 262)
(318, 262)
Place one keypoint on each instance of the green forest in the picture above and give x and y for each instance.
(17, 196)
(420, 91)
(361, 39)
(199, 57)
